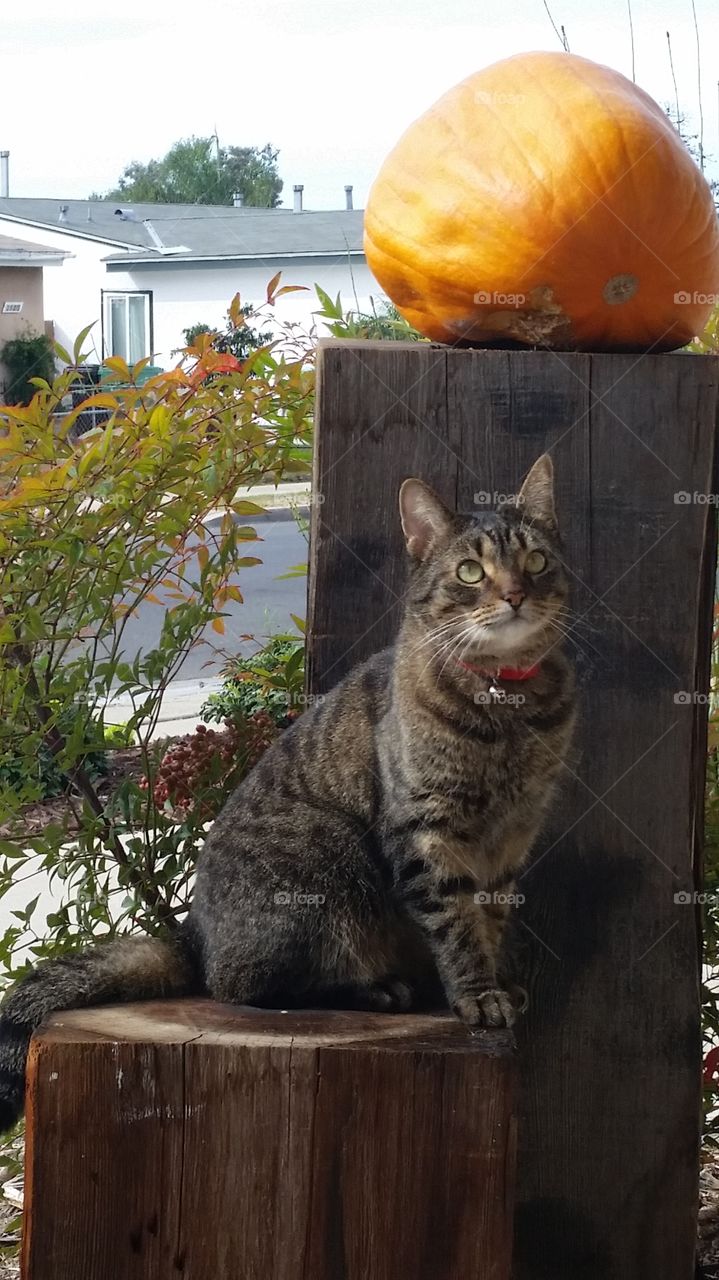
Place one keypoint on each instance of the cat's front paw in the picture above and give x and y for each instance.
(492, 1008)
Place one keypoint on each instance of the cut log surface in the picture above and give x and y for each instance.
(192, 1139)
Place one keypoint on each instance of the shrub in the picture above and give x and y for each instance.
(707, 343)
(89, 530)
(196, 773)
(271, 681)
(40, 776)
(383, 322)
(26, 357)
(237, 338)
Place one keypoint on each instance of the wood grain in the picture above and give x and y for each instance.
(192, 1139)
(610, 1051)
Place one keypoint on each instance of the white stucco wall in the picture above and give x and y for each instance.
(72, 290)
(181, 295)
(184, 296)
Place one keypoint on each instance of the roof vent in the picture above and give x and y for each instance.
(63, 212)
(238, 200)
(129, 215)
(159, 244)
(298, 189)
(348, 198)
(4, 173)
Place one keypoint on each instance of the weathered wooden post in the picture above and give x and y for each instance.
(610, 1050)
(190, 1139)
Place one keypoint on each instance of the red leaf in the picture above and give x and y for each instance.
(711, 1066)
(272, 286)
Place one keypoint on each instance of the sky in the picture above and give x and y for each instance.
(331, 83)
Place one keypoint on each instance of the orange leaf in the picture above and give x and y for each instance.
(218, 626)
(272, 286)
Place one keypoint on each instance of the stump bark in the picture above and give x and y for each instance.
(190, 1139)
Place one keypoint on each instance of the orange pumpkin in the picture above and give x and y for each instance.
(547, 200)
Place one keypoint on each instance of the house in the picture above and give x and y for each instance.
(145, 272)
(21, 287)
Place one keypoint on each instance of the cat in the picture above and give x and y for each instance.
(368, 859)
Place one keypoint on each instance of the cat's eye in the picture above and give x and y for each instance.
(470, 571)
(535, 562)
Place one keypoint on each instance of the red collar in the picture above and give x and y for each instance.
(504, 673)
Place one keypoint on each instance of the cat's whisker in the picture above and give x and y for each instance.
(466, 635)
(577, 619)
(435, 634)
(571, 626)
(446, 648)
(573, 639)
(436, 654)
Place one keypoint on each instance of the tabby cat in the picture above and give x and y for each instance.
(367, 859)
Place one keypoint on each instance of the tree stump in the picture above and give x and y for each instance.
(192, 1139)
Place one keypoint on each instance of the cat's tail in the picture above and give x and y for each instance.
(123, 969)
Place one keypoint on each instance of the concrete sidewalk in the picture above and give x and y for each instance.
(179, 711)
(280, 501)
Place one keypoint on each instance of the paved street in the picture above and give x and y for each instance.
(266, 610)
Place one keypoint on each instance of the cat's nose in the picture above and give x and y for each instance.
(514, 598)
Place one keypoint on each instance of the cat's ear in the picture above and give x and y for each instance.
(536, 496)
(425, 519)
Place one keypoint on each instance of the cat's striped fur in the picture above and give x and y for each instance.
(346, 868)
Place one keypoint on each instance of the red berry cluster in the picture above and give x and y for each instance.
(198, 771)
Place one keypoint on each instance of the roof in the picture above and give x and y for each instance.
(24, 253)
(194, 232)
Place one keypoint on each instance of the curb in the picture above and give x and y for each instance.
(280, 502)
(180, 705)
(272, 513)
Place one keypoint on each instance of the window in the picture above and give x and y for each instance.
(127, 323)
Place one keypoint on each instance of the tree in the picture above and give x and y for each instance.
(238, 338)
(200, 171)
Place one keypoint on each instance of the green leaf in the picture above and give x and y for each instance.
(247, 508)
(296, 571)
(332, 310)
(10, 850)
(80, 342)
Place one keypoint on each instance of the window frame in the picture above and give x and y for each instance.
(106, 295)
